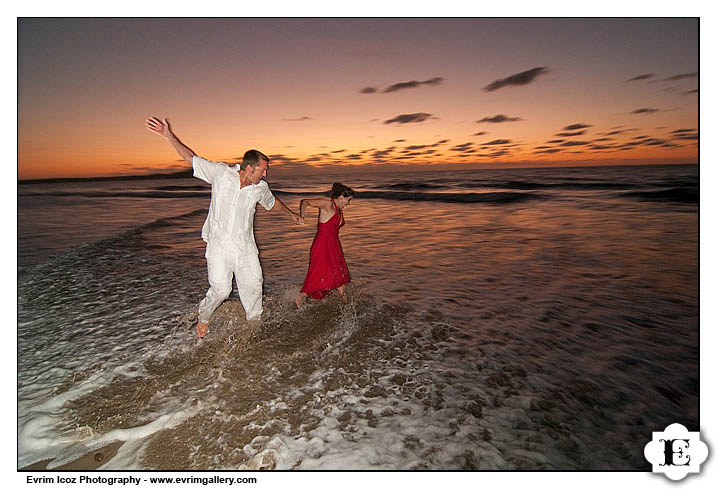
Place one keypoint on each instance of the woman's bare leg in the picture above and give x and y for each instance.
(299, 299)
(342, 292)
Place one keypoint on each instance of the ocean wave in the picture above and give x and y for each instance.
(114, 194)
(452, 197)
(677, 194)
(522, 185)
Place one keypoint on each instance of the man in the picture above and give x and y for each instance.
(229, 228)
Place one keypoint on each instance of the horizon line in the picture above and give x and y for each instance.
(318, 170)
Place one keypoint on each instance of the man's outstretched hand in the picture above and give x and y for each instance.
(159, 127)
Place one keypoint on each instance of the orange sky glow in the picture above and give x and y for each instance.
(319, 94)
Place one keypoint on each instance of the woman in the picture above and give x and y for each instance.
(327, 268)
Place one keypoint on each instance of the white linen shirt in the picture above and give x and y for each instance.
(230, 221)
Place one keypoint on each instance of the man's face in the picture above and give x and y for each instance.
(256, 173)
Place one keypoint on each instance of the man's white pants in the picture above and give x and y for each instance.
(221, 264)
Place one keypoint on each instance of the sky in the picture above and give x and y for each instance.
(366, 93)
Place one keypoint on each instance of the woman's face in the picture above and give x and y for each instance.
(343, 202)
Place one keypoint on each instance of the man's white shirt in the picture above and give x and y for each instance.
(230, 221)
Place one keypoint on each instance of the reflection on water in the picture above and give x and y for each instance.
(569, 320)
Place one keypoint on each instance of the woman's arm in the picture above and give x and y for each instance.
(325, 207)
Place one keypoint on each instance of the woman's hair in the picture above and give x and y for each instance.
(339, 189)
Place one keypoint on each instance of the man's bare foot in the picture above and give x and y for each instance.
(343, 293)
(202, 328)
(299, 299)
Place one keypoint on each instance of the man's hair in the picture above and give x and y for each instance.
(252, 158)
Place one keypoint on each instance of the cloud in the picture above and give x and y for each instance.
(368, 90)
(412, 84)
(645, 110)
(555, 141)
(573, 127)
(641, 77)
(283, 160)
(498, 142)
(338, 151)
(694, 91)
(575, 133)
(523, 78)
(382, 153)
(299, 119)
(499, 118)
(462, 147)
(399, 141)
(552, 150)
(574, 143)
(410, 118)
(681, 76)
(480, 133)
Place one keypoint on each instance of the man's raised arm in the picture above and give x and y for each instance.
(163, 129)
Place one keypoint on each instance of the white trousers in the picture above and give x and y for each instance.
(221, 264)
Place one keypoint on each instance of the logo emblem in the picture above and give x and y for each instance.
(676, 452)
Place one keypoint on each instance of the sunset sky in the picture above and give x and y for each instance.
(365, 92)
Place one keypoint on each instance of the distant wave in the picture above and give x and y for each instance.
(671, 195)
(113, 194)
(515, 184)
(453, 197)
(409, 186)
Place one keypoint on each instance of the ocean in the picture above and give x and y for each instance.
(516, 319)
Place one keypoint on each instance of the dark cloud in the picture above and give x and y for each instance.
(568, 135)
(679, 131)
(556, 141)
(498, 142)
(283, 160)
(645, 76)
(410, 118)
(499, 118)
(368, 90)
(681, 76)
(416, 147)
(552, 150)
(399, 141)
(338, 151)
(603, 139)
(523, 78)
(303, 118)
(574, 143)
(645, 110)
(654, 142)
(686, 136)
(441, 142)
(694, 91)
(382, 153)
(353, 156)
(602, 147)
(480, 133)
(412, 84)
(462, 147)
(498, 153)
(573, 127)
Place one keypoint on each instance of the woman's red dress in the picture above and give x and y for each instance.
(327, 268)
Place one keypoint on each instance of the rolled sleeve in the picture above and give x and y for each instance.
(204, 169)
(266, 198)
